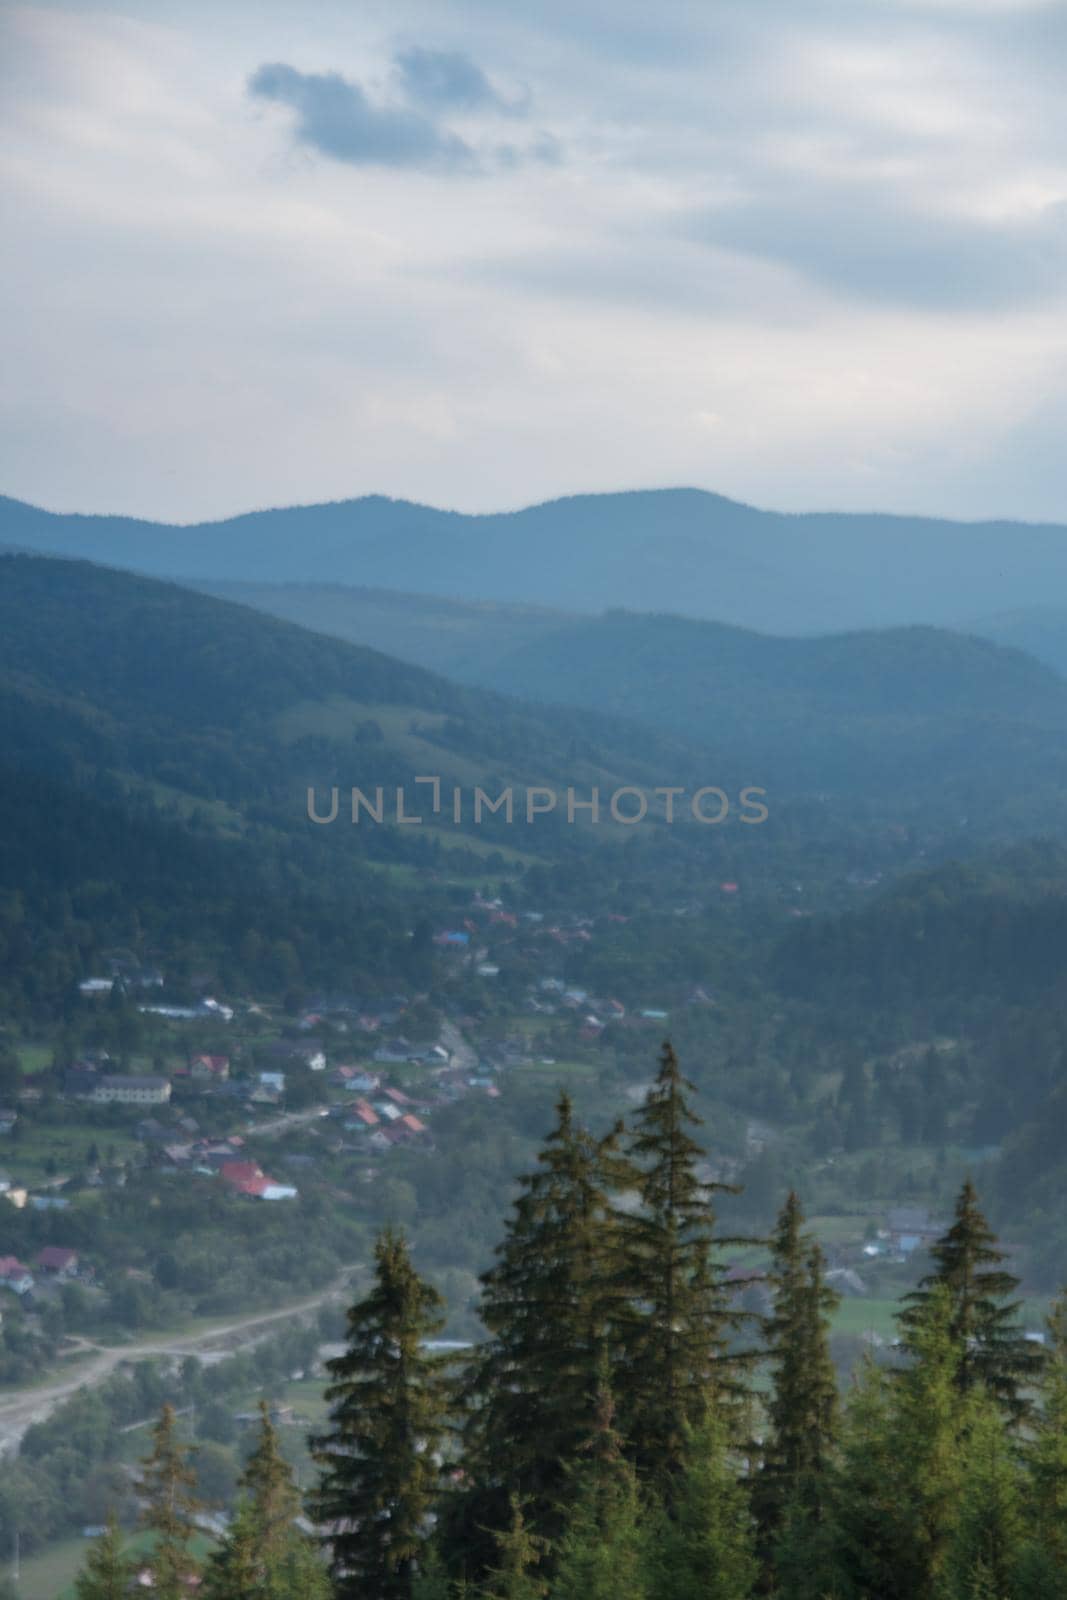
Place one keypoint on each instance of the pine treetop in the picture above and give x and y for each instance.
(983, 1318)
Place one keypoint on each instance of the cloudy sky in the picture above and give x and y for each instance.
(808, 253)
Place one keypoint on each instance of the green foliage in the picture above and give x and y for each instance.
(992, 1353)
(378, 1462)
(802, 1409)
(107, 1570)
(167, 1485)
(263, 1553)
(706, 1548)
(672, 1320)
(531, 1393)
(601, 1553)
(903, 1468)
(988, 1536)
(519, 1554)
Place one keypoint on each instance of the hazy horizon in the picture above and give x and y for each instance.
(475, 257)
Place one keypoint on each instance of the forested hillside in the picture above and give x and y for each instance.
(677, 550)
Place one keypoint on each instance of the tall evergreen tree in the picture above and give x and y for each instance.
(520, 1554)
(794, 1472)
(1045, 1560)
(673, 1318)
(263, 1553)
(601, 1553)
(704, 1548)
(983, 1321)
(168, 1488)
(108, 1570)
(267, 1480)
(988, 1538)
(902, 1469)
(235, 1571)
(530, 1396)
(379, 1462)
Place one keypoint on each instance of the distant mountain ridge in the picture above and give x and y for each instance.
(676, 550)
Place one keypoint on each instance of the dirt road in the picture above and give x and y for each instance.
(20, 1409)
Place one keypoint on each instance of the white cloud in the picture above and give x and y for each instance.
(800, 255)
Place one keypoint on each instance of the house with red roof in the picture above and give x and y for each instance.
(58, 1261)
(212, 1069)
(15, 1276)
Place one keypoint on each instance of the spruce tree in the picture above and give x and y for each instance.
(235, 1571)
(673, 1319)
(601, 1553)
(108, 1570)
(983, 1322)
(902, 1469)
(802, 1409)
(704, 1547)
(1044, 1562)
(168, 1488)
(267, 1480)
(519, 1553)
(530, 1395)
(989, 1534)
(379, 1462)
(263, 1553)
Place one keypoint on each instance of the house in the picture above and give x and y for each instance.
(357, 1081)
(298, 1052)
(397, 1096)
(278, 1191)
(911, 1228)
(8, 1119)
(212, 1069)
(14, 1276)
(58, 1261)
(130, 1089)
(363, 1116)
(269, 1089)
(236, 1173)
(411, 1124)
(394, 1050)
(96, 986)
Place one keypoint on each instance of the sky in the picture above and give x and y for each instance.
(811, 254)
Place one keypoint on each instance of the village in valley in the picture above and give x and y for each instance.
(229, 1095)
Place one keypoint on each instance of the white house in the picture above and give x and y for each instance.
(130, 1090)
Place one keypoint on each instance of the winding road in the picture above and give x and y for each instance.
(21, 1408)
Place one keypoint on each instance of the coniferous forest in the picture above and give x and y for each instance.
(625, 1432)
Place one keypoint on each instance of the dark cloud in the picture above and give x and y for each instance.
(880, 246)
(336, 117)
(450, 80)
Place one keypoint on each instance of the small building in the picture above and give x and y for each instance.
(911, 1228)
(130, 1089)
(58, 1261)
(211, 1069)
(15, 1276)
